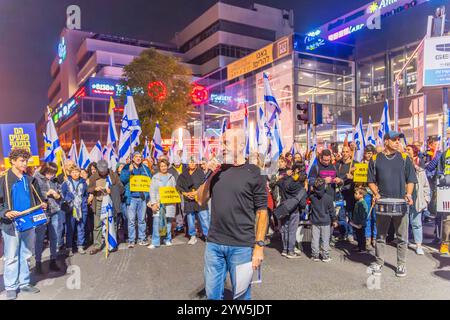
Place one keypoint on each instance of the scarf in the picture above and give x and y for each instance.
(78, 199)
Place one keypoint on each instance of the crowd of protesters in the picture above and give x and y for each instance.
(319, 194)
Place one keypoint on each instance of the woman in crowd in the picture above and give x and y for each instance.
(421, 197)
(161, 211)
(51, 193)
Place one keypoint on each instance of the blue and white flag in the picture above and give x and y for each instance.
(83, 157)
(112, 132)
(53, 150)
(262, 131)
(359, 140)
(96, 153)
(73, 153)
(247, 134)
(384, 124)
(107, 217)
(157, 143)
(276, 143)
(146, 150)
(130, 129)
(313, 160)
(272, 107)
(105, 152)
(370, 137)
(224, 126)
(111, 157)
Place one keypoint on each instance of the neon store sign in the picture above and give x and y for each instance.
(345, 32)
(225, 99)
(62, 50)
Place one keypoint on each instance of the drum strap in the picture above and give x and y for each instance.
(8, 196)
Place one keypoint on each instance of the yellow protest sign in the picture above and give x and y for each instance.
(140, 184)
(361, 172)
(169, 195)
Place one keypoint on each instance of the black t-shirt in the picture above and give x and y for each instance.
(348, 188)
(236, 194)
(391, 174)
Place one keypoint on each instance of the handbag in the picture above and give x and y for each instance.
(288, 206)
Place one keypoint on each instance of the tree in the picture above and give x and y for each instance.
(166, 91)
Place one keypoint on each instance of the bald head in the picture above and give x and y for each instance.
(233, 145)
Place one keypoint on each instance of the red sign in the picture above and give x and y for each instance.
(199, 95)
(157, 90)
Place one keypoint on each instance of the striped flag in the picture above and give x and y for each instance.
(53, 150)
(358, 139)
(112, 133)
(370, 137)
(146, 150)
(73, 153)
(107, 216)
(276, 143)
(247, 134)
(272, 107)
(83, 157)
(313, 160)
(384, 124)
(96, 153)
(130, 129)
(157, 143)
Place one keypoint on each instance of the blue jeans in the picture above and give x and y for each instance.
(156, 239)
(345, 227)
(54, 232)
(136, 210)
(203, 217)
(415, 220)
(17, 251)
(71, 225)
(219, 260)
(371, 223)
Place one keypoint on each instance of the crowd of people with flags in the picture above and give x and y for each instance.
(92, 199)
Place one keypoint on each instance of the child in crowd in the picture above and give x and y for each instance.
(322, 217)
(359, 219)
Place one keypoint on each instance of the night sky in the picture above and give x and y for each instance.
(30, 32)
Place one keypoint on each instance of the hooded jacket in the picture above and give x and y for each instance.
(322, 208)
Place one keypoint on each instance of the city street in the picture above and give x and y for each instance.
(177, 273)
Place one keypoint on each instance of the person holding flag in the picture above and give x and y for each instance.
(103, 183)
(136, 200)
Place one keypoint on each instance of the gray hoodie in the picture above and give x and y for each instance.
(45, 185)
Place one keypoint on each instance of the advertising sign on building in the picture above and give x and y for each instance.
(436, 62)
(19, 135)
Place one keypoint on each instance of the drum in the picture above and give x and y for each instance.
(30, 220)
(391, 207)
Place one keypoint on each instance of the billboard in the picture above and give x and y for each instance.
(436, 62)
(19, 135)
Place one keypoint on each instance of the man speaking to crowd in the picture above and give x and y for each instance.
(238, 203)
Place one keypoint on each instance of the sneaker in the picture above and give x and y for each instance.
(168, 243)
(419, 251)
(143, 243)
(38, 268)
(297, 251)
(152, 247)
(192, 240)
(284, 254)
(315, 258)
(30, 289)
(131, 245)
(11, 294)
(376, 268)
(81, 250)
(401, 271)
(443, 250)
(293, 255)
(54, 266)
(326, 259)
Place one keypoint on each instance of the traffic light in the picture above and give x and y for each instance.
(303, 112)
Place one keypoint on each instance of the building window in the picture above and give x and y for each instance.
(221, 50)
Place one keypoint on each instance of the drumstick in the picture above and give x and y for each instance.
(22, 213)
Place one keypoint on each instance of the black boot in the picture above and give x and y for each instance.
(38, 268)
(54, 266)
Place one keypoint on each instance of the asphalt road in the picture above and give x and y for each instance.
(177, 273)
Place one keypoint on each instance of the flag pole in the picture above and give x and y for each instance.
(107, 235)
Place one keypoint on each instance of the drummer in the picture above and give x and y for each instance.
(392, 176)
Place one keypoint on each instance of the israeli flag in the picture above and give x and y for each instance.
(247, 134)
(272, 107)
(107, 217)
(313, 160)
(370, 137)
(146, 150)
(172, 151)
(358, 139)
(105, 152)
(130, 129)
(83, 157)
(276, 143)
(224, 126)
(73, 153)
(97, 152)
(384, 124)
(51, 141)
(157, 143)
(111, 157)
(261, 131)
(112, 133)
